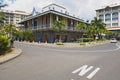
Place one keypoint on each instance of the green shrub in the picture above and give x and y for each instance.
(82, 43)
(59, 43)
(87, 39)
(28, 35)
(4, 42)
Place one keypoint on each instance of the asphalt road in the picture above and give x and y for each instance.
(45, 63)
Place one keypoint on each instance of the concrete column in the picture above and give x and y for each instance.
(57, 18)
(104, 18)
(111, 20)
(32, 24)
(51, 20)
(40, 21)
(119, 19)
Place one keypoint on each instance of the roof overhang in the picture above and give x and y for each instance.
(113, 28)
(54, 12)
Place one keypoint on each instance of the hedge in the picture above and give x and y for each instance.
(4, 42)
(87, 39)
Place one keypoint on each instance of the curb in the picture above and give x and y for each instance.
(63, 46)
(15, 53)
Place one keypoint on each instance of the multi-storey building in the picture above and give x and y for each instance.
(14, 16)
(110, 15)
(41, 24)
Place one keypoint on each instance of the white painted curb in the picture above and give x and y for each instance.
(15, 53)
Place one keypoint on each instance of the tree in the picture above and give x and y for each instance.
(9, 29)
(59, 25)
(28, 35)
(2, 18)
(82, 27)
(98, 26)
(3, 5)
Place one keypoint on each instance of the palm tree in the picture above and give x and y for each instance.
(2, 18)
(2, 5)
(59, 25)
(98, 26)
(9, 29)
(82, 27)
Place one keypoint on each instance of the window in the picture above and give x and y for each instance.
(101, 10)
(115, 8)
(115, 19)
(35, 22)
(101, 16)
(108, 25)
(114, 24)
(115, 14)
(107, 20)
(107, 17)
(107, 9)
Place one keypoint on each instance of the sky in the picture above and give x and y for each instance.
(84, 9)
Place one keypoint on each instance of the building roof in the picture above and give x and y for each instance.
(111, 5)
(54, 12)
(14, 12)
(54, 5)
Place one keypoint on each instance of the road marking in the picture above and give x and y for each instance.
(93, 73)
(118, 45)
(84, 69)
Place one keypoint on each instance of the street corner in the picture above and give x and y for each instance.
(9, 56)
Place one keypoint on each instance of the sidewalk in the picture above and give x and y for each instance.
(16, 52)
(65, 45)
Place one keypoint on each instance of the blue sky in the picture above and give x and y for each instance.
(85, 9)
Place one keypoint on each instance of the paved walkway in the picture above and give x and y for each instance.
(65, 45)
(16, 52)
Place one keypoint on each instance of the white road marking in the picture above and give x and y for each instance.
(84, 69)
(93, 73)
(118, 47)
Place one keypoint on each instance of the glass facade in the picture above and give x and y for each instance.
(110, 15)
(114, 24)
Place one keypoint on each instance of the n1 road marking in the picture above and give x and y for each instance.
(84, 69)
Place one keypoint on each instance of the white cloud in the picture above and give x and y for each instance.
(84, 9)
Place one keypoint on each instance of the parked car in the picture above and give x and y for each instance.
(113, 40)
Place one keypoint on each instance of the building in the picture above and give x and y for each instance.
(41, 24)
(14, 16)
(110, 15)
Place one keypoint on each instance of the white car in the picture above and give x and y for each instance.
(113, 40)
